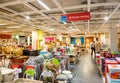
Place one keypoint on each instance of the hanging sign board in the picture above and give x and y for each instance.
(75, 17)
(49, 39)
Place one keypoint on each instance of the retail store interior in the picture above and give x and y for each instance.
(59, 41)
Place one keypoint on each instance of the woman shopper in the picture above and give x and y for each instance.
(98, 47)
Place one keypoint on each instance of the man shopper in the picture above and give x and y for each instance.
(93, 48)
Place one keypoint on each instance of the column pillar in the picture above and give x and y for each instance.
(113, 39)
(37, 38)
(28, 40)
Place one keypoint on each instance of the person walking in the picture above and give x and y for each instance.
(98, 47)
(93, 48)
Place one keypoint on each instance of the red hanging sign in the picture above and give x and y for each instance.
(5, 36)
(78, 16)
(49, 39)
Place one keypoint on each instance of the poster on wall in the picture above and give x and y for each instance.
(73, 40)
(82, 40)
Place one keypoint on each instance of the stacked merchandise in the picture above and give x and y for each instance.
(109, 62)
(105, 55)
(62, 50)
(113, 76)
(98, 59)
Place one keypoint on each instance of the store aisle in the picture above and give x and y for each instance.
(86, 71)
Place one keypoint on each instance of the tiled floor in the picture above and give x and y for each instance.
(87, 71)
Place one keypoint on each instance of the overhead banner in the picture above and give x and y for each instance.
(75, 17)
(49, 39)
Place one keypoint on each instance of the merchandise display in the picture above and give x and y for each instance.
(113, 74)
(59, 41)
(98, 59)
(7, 74)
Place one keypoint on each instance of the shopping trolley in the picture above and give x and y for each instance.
(30, 72)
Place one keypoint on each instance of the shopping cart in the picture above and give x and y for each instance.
(65, 77)
(47, 77)
(30, 72)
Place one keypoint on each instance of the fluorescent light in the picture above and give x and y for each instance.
(27, 17)
(51, 29)
(6, 31)
(3, 24)
(64, 22)
(44, 5)
(106, 18)
(14, 27)
(118, 25)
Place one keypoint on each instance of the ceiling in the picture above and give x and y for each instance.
(23, 16)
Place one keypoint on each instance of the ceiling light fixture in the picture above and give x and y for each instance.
(27, 17)
(118, 25)
(106, 18)
(64, 22)
(6, 31)
(44, 5)
(14, 27)
(3, 24)
(51, 29)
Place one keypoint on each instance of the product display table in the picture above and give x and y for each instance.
(109, 62)
(110, 80)
(112, 68)
(98, 59)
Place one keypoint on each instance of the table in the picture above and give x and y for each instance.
(109, 80)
